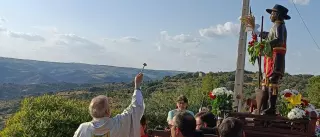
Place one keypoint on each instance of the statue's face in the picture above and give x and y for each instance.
(273, 16)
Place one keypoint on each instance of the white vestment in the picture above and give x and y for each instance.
(126, 124)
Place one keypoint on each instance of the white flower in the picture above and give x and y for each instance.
(285, 91)
(296, 113)
(222, 91)
(218, 91)
(295, 91)
(229, 92)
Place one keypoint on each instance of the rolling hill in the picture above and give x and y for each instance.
(159, 94)
(19, 71)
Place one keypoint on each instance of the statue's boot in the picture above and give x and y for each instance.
(271, 110)
(259, 96)
(262, 99)
(265, 102)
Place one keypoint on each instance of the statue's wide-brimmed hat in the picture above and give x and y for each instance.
(283, 11)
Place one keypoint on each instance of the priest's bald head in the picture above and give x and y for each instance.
(99, 107)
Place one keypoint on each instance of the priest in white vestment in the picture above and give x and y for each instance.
(126, 124)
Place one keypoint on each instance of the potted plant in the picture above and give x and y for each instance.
(221, 101)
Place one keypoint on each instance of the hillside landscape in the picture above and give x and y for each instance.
(159, 95)
(29, 77)
(21, 71)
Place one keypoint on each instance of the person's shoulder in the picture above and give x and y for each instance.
(172, 111)
(82, 129)
(85, 125)
(190, 112)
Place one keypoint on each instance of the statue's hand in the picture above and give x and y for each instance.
(264, 35)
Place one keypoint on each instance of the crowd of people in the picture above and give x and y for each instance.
(132, 122)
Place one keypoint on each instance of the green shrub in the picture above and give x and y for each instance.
(47, 116)
(313, 90)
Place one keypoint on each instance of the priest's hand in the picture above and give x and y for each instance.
(138, 80)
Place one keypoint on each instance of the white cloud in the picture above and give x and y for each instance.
(26, 36)
(301, 2)
(130, 39)
(61, 42)
(164, 47)
(2, 29)
(2, 20)
(127, 39)
(75, 40)
(181, 38)
(227, 29)
(200, 54)
(53, 30)
(21, 35)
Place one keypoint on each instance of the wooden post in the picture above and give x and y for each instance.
(238, 85)
(259, 59)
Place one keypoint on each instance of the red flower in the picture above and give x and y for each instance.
(305, 102)
(254, 37)
(212, 96)
(288, 94)
(251, 43)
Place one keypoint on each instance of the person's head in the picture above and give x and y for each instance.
(231, 127)
(99, 107)
(182, 102)
(205, 119)
(273, 16)
(318, 122)
(278, 13)
(143, 125)
(184, 125)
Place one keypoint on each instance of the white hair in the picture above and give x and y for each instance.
(99, 107)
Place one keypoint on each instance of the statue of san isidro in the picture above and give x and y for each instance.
(274, 67)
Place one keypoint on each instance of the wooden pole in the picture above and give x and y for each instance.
(238, 84)
(259, 59)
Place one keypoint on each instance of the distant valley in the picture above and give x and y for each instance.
(20, 77)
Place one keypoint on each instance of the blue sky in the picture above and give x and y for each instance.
(183, 35)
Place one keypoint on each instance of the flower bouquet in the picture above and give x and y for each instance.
(255, 48)
(221, 101)
(293, 106)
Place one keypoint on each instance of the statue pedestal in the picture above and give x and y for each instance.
(276, 126)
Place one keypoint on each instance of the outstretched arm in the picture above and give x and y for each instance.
(129, 119)
(136, 107)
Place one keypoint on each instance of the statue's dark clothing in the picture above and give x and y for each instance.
(274, 66)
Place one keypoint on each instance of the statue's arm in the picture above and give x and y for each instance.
(279, 37)
(264, 35)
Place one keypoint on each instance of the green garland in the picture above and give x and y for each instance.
(254, 50)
